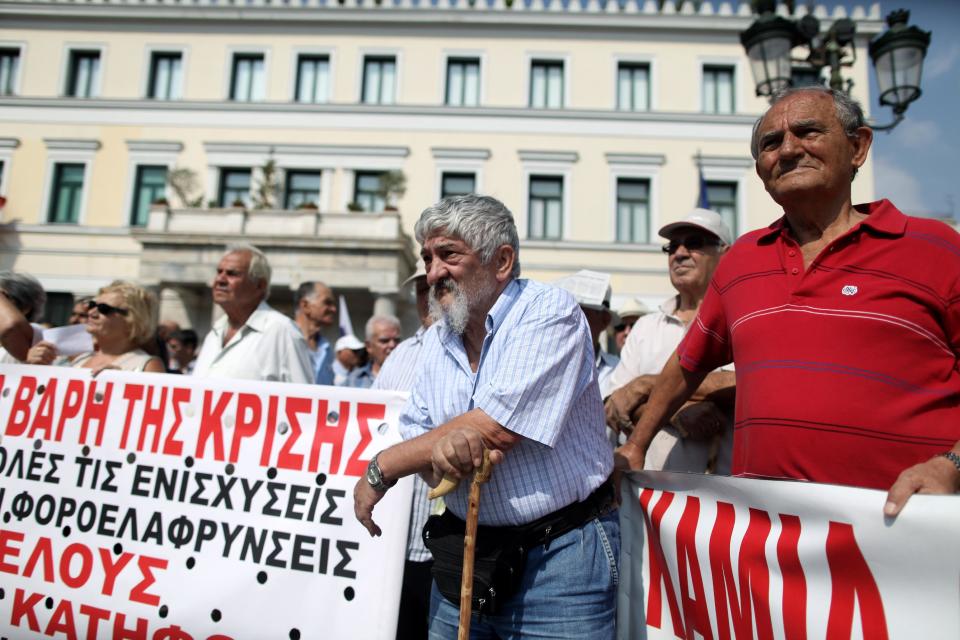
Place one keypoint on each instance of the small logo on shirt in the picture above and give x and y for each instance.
(849, 290)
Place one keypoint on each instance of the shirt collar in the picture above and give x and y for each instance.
(256, 321)
(498, 312)
(882, 217)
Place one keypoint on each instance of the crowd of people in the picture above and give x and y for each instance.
(764, 364)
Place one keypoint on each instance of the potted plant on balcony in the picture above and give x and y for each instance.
(393, 184)
(183, 181)
(354, 207)
(268, 187)
(308, 206)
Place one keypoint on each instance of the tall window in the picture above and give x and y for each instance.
(366, 191)
(313, 78)
(248, 79)
(457, 184)
(165, 70)
(83, 74)
(633, 86)
(379, 80)
(723, 200)
(149, 186)
(718, 89)
(66, 194)
(234, 187)
(463, 82)
(302, 187)
(546, 84)
(9, 63)
(546, 208)
(633, 210)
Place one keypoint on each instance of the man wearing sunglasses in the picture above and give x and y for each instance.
(698, 438)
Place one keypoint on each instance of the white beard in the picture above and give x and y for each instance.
(456, 314)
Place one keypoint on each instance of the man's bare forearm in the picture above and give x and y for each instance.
(674, 386)
(717, 386)
(16, 334)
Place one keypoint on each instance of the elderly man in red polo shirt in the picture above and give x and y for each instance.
(845, 340)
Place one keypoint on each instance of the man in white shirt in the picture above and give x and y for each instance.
(699, 438)
(251, 341)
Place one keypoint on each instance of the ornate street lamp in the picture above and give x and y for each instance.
(897, 54)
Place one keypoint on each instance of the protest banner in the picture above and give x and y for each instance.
(160, 507)
(715, 557)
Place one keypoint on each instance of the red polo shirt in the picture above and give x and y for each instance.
(847, 371)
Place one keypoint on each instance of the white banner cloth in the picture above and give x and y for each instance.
(164, 507)
(713, 557)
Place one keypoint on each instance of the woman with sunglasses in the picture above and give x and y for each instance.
(121, 321)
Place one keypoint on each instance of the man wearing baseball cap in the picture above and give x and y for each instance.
(699, 437)
(349, 353)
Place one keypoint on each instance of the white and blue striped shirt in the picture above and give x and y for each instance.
(536, 377)
(398, 373)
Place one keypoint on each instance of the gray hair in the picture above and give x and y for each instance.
(259, 266)
(392, 321)
(484, 223)
(25, 292)
(849, 113)
(307, 291)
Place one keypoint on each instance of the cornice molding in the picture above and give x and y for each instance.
(708, 15)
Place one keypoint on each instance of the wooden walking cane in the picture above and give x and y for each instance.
(447, 485)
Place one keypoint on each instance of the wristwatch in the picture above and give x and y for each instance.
(375, 476)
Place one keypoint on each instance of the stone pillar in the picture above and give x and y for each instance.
(384, 304)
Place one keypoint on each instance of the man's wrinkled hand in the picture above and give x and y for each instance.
(699, 421)
(458, 453)
(935, 476)
(365, 498)
(624, 402)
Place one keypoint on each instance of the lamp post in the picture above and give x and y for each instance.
(897, 54)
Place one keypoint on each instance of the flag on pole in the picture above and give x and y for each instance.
(346, 326)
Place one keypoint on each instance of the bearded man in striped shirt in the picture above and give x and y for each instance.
(508, 366)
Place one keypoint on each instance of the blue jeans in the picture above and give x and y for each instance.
(568, 591)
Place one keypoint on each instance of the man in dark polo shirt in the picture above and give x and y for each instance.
(843, 322)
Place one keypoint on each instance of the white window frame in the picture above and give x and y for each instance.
(540, 163)
(141, 152)
(149, 52)
(635, 166)
(397, 76)
(7, 146)
(737, 170)
(458, 160)
(68, 48)
(232, 53)
(716, 61)
(544, 56)
(481, 58)
(21, 47)
(330, 53)
(648, 60)
(63, 151)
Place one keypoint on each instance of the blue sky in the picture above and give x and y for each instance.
(916, 165)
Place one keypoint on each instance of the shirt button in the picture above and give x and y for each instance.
(791, 253)
(794, 271)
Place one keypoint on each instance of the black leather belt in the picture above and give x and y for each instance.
(573, 516)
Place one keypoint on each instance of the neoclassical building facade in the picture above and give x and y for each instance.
(139, 138)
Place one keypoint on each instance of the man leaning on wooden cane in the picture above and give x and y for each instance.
(507, 366)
